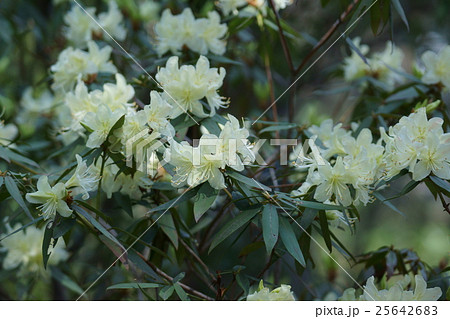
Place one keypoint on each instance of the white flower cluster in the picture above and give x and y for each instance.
(114, 181)
(414, 143)
(250, 7)
(83, 27)
(397, 291)
(419, 145)
(54, 199)
(24, 250)
(199, 35)
(97, 110)
(95, 114)
(282, 293)
(437, 67)
(74, 63)
(205, 162)
(357, 163)
(379, 65)
(184, 87)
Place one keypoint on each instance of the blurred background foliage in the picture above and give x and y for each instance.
(31, 39)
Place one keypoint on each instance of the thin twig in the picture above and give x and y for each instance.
(24, 167)
(327, 35)
(272, 91)
(189, 289)
(284, 44)
(196, 257)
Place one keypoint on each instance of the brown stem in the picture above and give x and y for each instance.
(24, 167)
(286, 51)
(272, 92)
(196, 257)
(327, 35)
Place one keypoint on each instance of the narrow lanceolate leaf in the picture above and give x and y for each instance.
(142, 265)
(168, 227)
(317, 205)
(308, 217)
(166, 292)
(356, 49)
(381, 198)
(81, 211)
(13, 190)
(440, 183)
(47, 241)
(408, 187)
(398, 7)
(290, 241)
(325, 231)
(180, 292)
(249, 181)
(9, 155)
(270, 226)
(237, 222)
(203, 200)
(134, 285)
(23, 227)
(65, 280)
(175, 201)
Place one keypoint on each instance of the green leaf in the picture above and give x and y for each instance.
(356, 49)
(65, 280)
(325, 231)
(178, 277)
(290, 241)
(249, 181)
(203, 200)
(81, 211)
(278, 128)
(233, 225)
(180, 292)
(440, 183)
(12, 155)
(175, 201)
(166, 292)
(387, 203)
(168, 227)
(251, 248)
(375, 18)
(211, 126)
(23, 227)
(13, 190)
(224, 60)
(408, 187)
(238, 24)
(308, 217)
(116, 126)
(134, 285)
(141, 264)
(270, 226)
(243, 282)
(63, 226)
(398, 7)
(309, 204)
(48, 235)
